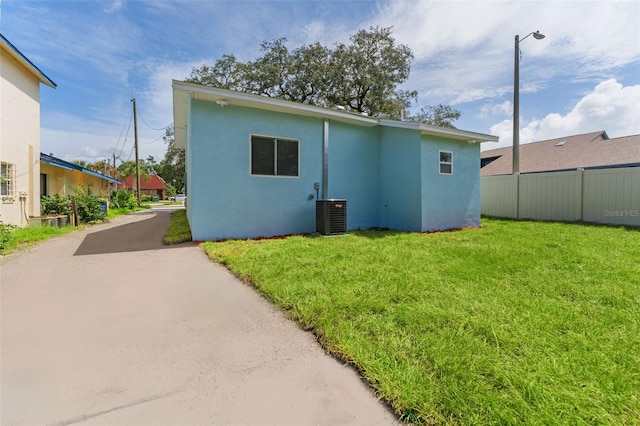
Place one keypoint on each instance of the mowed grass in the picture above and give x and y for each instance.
(179, 230)
(22, 238)
(513, 323)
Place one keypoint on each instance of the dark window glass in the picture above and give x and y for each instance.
(43, 184)
(274, 157)
(445, 169)
(262, 156)
(445, 157)
(287, 158)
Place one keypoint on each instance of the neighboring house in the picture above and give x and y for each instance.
(588, 178)
(61, 177)
(152, 185)
(256, 165)
(588, 151)
(20, 83)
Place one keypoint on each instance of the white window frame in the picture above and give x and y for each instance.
(8, 180)
(275, 156)
(443, 163)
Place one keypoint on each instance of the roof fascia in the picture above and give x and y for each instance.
(425, 129)
(25, 62)
(181, 111)
(58, 162)
(100, 175)
(183, 92)
(225, 97)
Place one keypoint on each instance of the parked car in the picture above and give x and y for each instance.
(178, 197)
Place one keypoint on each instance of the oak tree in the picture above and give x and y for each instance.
(362, 76)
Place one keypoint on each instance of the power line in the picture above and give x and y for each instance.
(153, 128)
(154, 140)
(126, 124)
(130, 153)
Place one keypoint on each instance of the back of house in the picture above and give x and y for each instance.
(256, 166)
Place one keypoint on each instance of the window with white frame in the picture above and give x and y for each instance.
(446, 162)
(7, 180)
(274, 156)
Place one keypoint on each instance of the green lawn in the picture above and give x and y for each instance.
(513, 323)
(21, 238)
(179, 230)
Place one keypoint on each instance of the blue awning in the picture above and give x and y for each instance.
(57, 162)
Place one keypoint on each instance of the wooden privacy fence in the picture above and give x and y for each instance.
(610, 196)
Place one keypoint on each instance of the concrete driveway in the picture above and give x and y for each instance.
(109, 326)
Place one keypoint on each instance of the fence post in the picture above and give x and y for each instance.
(517, 176)
(581, 192)
(74, 208)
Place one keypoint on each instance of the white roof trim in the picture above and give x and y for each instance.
(183, 92)
(425, 129)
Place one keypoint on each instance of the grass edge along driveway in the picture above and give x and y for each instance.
(512, 323)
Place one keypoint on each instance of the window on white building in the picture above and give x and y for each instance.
(7, 179)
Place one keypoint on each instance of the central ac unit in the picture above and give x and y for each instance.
(331, 217)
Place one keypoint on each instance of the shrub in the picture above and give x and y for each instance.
(6, 230)
(145, 198)
(121, 199)
(55, 204)
(89, 205)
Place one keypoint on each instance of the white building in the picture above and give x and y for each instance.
(19, 135)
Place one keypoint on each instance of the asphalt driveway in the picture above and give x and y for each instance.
(109, 326)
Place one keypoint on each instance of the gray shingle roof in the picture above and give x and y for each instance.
(589, 150)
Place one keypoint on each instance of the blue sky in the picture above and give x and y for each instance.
(584, 76)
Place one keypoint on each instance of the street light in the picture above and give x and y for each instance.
(516, 101)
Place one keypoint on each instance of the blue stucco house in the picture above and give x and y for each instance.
(255, 166)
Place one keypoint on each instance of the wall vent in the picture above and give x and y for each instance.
(331, 217)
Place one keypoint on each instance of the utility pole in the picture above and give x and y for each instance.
(115, 171)
(135, 134)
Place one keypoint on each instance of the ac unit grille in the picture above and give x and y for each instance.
(331, 217)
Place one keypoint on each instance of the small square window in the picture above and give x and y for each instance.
(446, 162)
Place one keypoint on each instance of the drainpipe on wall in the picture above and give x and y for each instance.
(30, 200)
(325, 161)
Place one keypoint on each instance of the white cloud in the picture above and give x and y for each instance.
(71, 137)
(501, 109)
(314, 31)
(87, 146)
(86, 49)
(115, 6)
(101, 57)
(102, 136)
(464, 49)
(157, 96)
(610, 107)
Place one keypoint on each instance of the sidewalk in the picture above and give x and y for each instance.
(109, 326)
